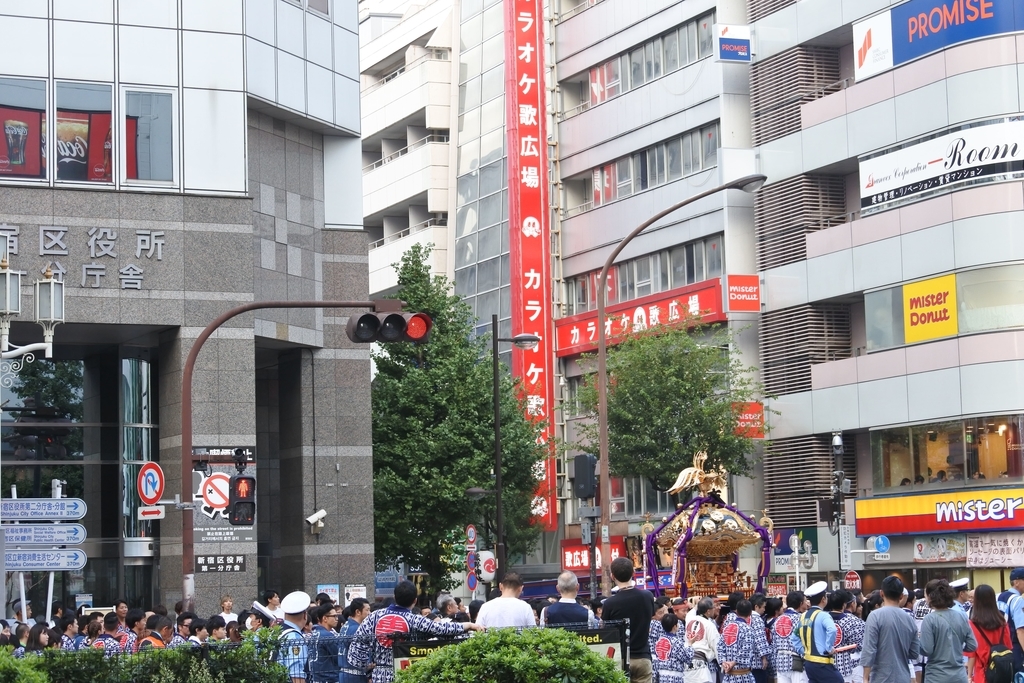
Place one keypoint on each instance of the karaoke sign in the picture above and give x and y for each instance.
(529, 228)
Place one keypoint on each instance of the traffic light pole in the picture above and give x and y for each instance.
(187, 536)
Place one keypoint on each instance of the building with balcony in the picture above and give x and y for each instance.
(645, 117)
(171, 160)
(406, 100)
(891, 272)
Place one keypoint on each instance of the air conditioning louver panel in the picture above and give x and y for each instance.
(794, 339)
(783, 82)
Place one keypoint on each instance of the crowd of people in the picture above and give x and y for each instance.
(946, 633)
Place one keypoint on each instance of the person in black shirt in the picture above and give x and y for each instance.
(638, 606)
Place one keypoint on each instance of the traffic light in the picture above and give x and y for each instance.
(393, 326)
(242, 500)
(584, 483)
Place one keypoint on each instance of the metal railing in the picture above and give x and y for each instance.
(577, 210)
(576, 9)
(433, 138)
(433, 55)
(411, 230)
(578, 109)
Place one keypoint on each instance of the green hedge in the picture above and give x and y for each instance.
(248, 662)
(504, 656)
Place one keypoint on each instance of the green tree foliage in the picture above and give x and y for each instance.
(672, 393)
(433, 436)
(504, 656)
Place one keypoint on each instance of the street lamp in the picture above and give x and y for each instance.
(520, 341)
(750, 183)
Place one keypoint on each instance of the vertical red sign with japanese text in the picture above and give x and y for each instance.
(529, 227)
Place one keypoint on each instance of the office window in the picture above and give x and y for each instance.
(321, 6)
(23, 116)
(624, 176)
(636, 68)
(709, 134)
(149, 136)
(84, 142)
(671, 42)
(704, 38)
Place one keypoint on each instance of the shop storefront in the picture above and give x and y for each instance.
(969, 531)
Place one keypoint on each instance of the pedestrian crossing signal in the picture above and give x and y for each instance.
(242, 500)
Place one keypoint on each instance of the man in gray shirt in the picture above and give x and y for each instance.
(890, 638)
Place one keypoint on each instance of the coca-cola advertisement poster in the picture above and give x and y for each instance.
(21, 148)
(83, 146)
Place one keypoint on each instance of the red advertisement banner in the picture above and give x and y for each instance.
(21, 146)
(743, 293)
(749, 419)
(578, 333)
(529, 227)
(576, 555)
(83, 146)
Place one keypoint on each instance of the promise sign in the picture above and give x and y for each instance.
(529, 229)
(929, 309)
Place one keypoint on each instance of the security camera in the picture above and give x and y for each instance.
(316, 517)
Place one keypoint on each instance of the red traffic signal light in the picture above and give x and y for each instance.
(394, 326)
(242, 500)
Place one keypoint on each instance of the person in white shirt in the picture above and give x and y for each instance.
(701, 629)
(508, 610)
(225, 609)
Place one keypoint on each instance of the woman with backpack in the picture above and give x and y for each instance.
(993, 636)
(946, 637)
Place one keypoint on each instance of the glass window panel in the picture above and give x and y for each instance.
(469, 64)
(487, 304)
(640, 177)
(469, 33)
(627, 281)
(492, 115)
(23, 116)
(625, 66)
(491, 146)
(664, 271)
(709, 134)
(505, 295)
(505, 272)
(465, 281)
(469, 95)
(696, 151)
(467, 188)
(883, 318)
(625, 184)
(465, 251)
(940, 456)
(691, 268)
(994, 447)
(990, 298)
(649, 61)
(494, 20)
(892, 459)
(673, 150)
(704, 38)
(503, 228)
(678, 258)
(687, 143)
(137, 392)
(84, 145)
(490, 178)
(321, 6)
(469, 124)
(487, 275)
(698, 261)
(643, 276)
(490, 211)
(612, 78)
(493, 83)
(659, 165)
(489, 242)
(657, 57)
(466, 219)
(636, 68)
(713, 255)
(581, 298)
(504, 209)
(469, 156)
(149, 126)
(691, 42)
(671, 41)
(493, 52)
(471, 7)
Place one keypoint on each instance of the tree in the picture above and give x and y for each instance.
(433, 436)
(671, 393)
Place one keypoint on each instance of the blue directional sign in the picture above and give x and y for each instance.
(44, 534)
(882, 544)
(49, 509)
(44, 560)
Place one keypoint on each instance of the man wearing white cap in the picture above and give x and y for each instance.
(815, 638)
(960, 604)
(294, 655)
